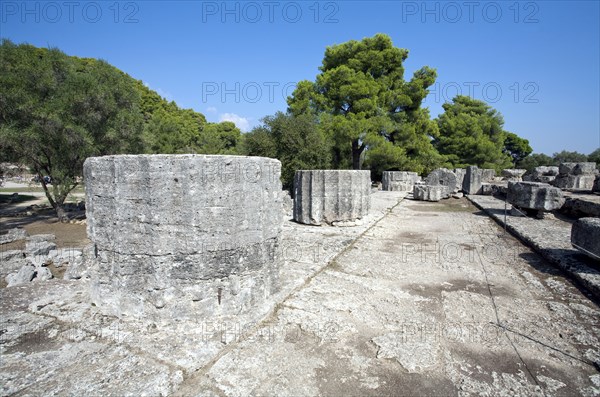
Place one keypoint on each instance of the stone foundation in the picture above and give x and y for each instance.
(328, 196)
(399, 180)
(183, 236)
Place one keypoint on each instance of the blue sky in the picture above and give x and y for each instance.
(537, 62)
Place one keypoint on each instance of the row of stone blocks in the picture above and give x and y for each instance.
(442, 183)
(568, 176)
(189, 236)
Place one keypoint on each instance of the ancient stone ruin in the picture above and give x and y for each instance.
(544, 174)
(460, 177)
(585, 235)
(475, 177)
(183, 236)
(331, 196)
(576, 176)
(429, 192)
(513, 174)
(399, 180)
(443, 177)
(535, 196)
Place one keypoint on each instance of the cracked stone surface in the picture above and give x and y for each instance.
(425, 299)
(549, 237)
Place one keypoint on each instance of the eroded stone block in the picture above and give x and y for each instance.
(575, 182)
(473, 180)
(580, 168)
(328, 196)
(585, 236)
(182, 236)
(443, 177)
(430, 193)
(399, 180)
(535, 196)
(513, 174)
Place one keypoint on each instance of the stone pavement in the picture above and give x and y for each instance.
(430, 301)
(550, 237)
(424, 300)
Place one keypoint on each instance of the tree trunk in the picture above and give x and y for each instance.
(56, 203)
(61, 213)
(357, 150)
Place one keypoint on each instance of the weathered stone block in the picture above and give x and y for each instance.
(513, 174)
(430, 193)
(39, 248)
(182, 236)
(575, 182)
(328, 196)
(581, 168)
(487, 175)
(473, 180)
(585, 236)
(443, 177)
(596, 187)
(399, 180)
(545, 174)
(460, 177)
(535, 196)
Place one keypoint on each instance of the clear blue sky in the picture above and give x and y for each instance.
(537, 62)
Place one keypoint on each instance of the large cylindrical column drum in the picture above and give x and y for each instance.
(180, 236)
(330, 196)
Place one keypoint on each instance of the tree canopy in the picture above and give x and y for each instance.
(471, 133)
(361, 100)
(57, 110)
(295, 140)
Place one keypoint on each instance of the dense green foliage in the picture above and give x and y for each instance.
(516, 147)
(470, 133)
(362, 103)
(296, 141)
(57, 110)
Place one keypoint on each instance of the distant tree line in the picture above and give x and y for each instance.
(57, 110)
(360, 112)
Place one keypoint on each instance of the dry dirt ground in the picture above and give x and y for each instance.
(426, 299)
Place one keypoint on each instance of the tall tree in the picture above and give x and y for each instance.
(471, 134)
(360, 95)
(518, 148)
(296, 141)
(57, 110)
